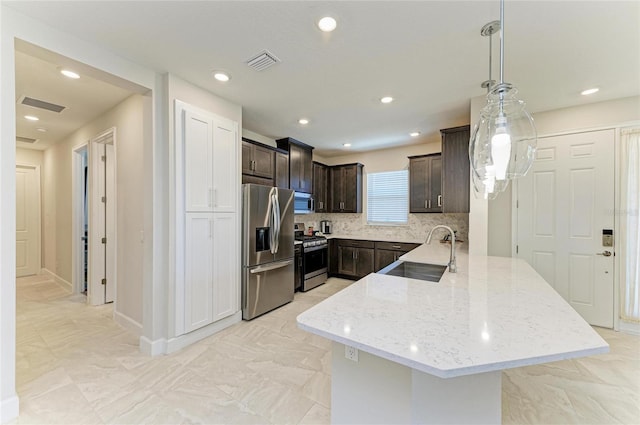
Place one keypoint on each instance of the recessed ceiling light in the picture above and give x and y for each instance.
(327, 24)
(303, 121)
(31, 118)
(589, 91)
(346, 145)
(41, 130)
(221, 76)
(386, 99)
(69, 74)
(414, 134)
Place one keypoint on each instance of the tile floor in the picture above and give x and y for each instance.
(76, 366)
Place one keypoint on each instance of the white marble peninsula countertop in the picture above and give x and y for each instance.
(495, 313)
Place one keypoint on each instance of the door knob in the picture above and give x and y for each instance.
(606, 253)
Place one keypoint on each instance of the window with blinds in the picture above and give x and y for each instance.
(388, 197)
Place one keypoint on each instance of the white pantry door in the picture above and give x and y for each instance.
(565, 203)
(27, 221)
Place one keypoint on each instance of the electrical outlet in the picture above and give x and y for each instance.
(351, 353)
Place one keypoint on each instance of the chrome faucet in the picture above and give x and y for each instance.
(452, 256)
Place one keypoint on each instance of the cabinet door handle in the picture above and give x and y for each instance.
(426, 203)
(396, 246)
(210, 197)
(321, 204)
(356, 252)
(210, 229)
(429, 204)
(353, 255)
(215, 197)
(439, 200)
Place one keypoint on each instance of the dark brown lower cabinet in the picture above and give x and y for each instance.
(355, 258)
(388, 252)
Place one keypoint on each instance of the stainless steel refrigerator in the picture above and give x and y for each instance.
(267, 249)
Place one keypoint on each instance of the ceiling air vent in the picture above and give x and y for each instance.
(25, 139)
(263, 60)
(37, 103)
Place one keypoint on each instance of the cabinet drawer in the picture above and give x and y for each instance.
(356, 243)
(396, 246)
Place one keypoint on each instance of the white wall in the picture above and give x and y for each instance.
(478, 207)
(258, 137)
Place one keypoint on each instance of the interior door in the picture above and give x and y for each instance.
(102, 219)
(27, 221)
(565, 203)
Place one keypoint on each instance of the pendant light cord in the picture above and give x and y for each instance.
(501, 41)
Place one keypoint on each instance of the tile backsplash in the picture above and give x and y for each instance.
(355, 225)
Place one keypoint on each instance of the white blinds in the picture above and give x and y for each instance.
(388, 197)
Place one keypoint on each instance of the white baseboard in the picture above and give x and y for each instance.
(629, 327)
(127, 323)
(153, 348)
(65, 283)
(9, 409)
(164, 346)
(179, 342)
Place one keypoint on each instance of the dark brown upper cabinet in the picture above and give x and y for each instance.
(257, 160)
(281, 178)
(455, 169)
(345, 182)
(300, 164)
(425, 183)
(321, 187)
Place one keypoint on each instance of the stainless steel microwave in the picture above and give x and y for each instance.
(303, 203)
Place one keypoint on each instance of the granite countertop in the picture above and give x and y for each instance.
(495, 313)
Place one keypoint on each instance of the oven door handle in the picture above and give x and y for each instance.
(314, 248)
(278, 265)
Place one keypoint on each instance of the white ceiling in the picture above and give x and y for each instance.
(428, 55)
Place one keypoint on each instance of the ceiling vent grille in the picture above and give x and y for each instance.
(25, 139)
(263, 60)
(37, 103)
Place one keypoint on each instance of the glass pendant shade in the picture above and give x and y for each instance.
(504, 138)
(485, 184)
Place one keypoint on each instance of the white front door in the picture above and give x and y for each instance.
(27, 221)
(565, 204)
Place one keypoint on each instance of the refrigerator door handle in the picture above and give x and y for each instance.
(275, 266)
(275, 220)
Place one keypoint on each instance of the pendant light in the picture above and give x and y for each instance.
(503, 142)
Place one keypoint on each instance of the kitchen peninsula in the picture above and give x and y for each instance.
(433, 352)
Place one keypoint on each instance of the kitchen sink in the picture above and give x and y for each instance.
(421, 271)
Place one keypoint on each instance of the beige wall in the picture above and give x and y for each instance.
(128, 120)
(29, 157)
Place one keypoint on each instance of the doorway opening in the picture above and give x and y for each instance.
(80, 218)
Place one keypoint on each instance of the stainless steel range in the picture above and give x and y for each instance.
(315, 258)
